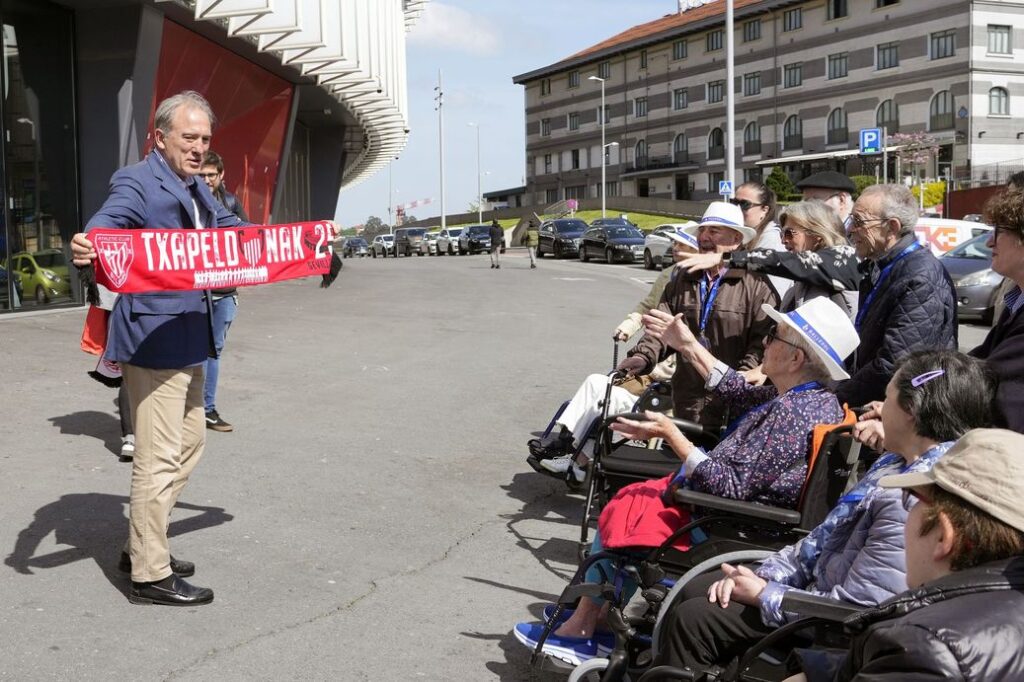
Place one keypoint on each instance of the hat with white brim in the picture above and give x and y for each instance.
(683, 237)
(827, 330)
(724, 214)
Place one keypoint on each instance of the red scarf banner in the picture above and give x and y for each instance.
(138, 261)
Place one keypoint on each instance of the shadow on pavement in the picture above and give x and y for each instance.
(100, 425)
(93, 526)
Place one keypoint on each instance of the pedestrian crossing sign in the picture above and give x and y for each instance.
(725, 188)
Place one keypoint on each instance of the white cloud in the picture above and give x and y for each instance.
(446, 27)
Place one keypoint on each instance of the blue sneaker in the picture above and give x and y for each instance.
(549, 611)
(572, 650)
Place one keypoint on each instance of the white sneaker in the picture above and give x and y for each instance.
(128, 447)
(561, 465)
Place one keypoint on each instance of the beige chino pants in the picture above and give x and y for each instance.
(170, 431)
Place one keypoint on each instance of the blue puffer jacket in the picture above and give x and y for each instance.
(856, 553)
(913, 309)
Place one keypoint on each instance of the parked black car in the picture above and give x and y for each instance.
(612, 222)
(560, 237)
(408, 240)
(613, 243)
(474, 239)
(355, 246)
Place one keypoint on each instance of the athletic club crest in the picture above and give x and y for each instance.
(252, 246)
(116, 254)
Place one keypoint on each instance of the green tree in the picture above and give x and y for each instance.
(374, 226)
(779, 182)
(862, 181)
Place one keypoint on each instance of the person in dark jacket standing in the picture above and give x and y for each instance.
(960, 619)
(1003, 348)
(497, 237)
(225, 301)
(907, 301)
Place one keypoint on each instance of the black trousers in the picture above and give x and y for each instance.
(699, 634)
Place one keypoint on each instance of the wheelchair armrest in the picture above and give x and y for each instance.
(788, 517)
(689, 428)
(816, 606)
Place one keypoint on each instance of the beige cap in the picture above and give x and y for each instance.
(984, 468)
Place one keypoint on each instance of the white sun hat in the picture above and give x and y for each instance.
(683, 237)
(826, 328)
(724, 214)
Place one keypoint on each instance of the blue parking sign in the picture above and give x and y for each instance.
(871, 141)
(725, 188)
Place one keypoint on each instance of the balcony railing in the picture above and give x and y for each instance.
(681, 158)
(716, 152)
(940, 122)
(751, 147)
(642, 163)
(838, 136)
(793, 142)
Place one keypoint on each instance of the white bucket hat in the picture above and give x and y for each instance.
(724, 214)
(827, 330)
(683, 237)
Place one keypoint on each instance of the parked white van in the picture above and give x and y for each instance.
(942, 235)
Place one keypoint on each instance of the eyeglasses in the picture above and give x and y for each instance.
(997, 231)
(793, 232)
(744, 204)
(856, 222)
(207, 176)
(773, 335)
(912, 497)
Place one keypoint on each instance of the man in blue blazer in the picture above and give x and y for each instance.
(161, 340)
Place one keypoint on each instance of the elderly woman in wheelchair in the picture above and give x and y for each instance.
(856, 554)
(761, 458)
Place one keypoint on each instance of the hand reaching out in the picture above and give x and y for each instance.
(700, 261)
(671, 330)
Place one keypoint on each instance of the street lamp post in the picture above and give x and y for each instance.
(479, 192)
(439, 99)
(603, 147)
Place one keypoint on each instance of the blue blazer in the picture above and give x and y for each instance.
(168, 329)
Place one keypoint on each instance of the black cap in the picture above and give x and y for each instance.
(828, 180)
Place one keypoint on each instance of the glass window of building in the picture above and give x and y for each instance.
(716, 91)
(611, 189)
(942, 44)
(752, 83)
(640, 108)
(886, 3)
(836, 131)
(716, 144)
(550, 196)
(714, 40)
(998, 102)
(680, 98)
(888, 56)
(640, 153)
(999, 39)
(604, 70)
(607, 114)
(888, 116)
(713, 179)
(680, 151)
(940, 113)
(792, 75)
(545, 127)
(836, 9)
(40, 212)
(793, 133)
(545, 86)
(547, 163)
(752, 138)
(792, 19)
(575, 159)
(574, 79)
(643, 59)
(574, 120)
(837, 65)
(751, 30)
(679, 49)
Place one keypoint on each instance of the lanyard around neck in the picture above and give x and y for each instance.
(882, 276)
(707, 300)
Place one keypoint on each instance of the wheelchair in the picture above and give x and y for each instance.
(732, 531)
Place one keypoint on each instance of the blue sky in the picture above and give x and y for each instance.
(479, 45)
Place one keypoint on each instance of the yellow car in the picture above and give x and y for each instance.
(43, 274)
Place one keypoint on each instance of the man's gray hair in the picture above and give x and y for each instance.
(814, 366)
(896, 201)
(189, 98)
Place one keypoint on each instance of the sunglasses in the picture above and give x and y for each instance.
(773, 335)
(912, 497)
(744, 204)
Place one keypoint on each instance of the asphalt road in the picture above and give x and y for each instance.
(370, 518)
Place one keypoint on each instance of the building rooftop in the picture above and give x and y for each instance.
(698, 18)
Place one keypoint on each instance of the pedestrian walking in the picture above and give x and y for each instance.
(531, 238)
(497, 237)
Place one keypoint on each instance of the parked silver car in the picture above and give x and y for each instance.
(977, 284)
(448, 241)
(428, 246)
(658, 247)
(383, 245)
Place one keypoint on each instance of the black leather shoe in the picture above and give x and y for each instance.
(179, 566)
(171, 591)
